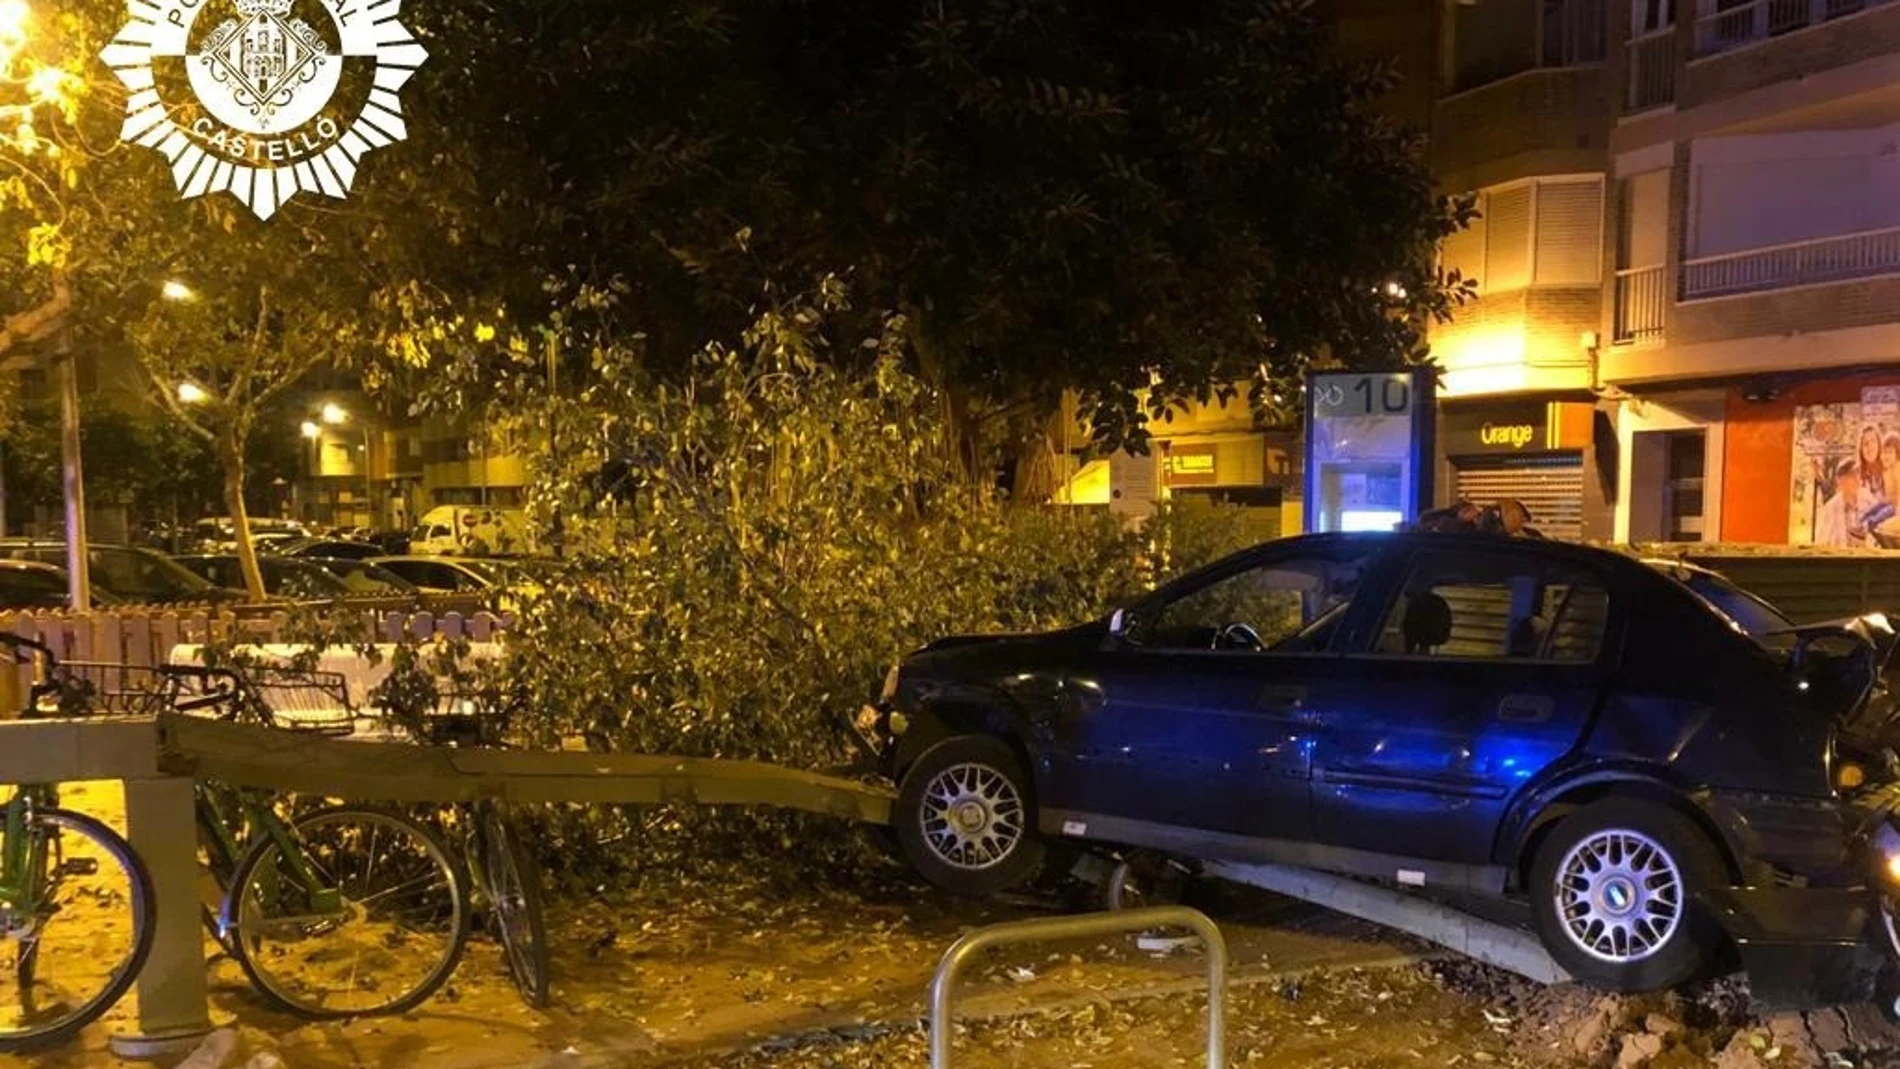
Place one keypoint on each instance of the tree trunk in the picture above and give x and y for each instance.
(231, 456)
(960, 431)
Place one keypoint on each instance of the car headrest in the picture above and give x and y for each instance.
(1427, 622)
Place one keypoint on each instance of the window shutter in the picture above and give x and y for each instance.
(1507, 239)
(1569, 232)
(1463, 251)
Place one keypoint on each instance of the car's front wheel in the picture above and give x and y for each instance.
(1613, 895)
(966, 819)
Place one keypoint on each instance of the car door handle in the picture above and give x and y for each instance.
(1526, 708)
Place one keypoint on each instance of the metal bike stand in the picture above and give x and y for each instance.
(1087, 925)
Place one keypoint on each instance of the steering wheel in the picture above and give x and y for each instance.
(1239, 637)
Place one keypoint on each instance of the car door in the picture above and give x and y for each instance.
(1484, 667)
(1199, 715)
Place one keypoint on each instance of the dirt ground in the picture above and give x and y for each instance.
(744, 973)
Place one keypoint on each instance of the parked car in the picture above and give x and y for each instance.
(127, 573)
(32, 585)
(333, 548)
(1658, 764)
(218, 534)
(364, 578)
(442, 574)
(284, 577)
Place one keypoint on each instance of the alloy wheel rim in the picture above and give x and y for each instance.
(1620, 896)
(971, 816)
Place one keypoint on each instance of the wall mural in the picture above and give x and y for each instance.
(1847, 472)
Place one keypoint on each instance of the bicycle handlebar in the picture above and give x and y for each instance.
(17, 643)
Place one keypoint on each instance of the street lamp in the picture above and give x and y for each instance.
(335, 414)
(192, 394)
(311, 430)
(174, 290)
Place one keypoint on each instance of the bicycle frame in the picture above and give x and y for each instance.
(23, 856)
(256, 817)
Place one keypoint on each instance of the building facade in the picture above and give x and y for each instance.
(1691, 235)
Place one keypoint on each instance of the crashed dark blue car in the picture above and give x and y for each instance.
(1661, 767)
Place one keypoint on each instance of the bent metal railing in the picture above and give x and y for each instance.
(1085, 926)
(1799, 263)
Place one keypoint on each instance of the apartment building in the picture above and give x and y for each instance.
(1688, 265)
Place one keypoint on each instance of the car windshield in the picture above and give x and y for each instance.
(299, 579)
(1749, 614)
(135, 574)
(482, 571)
(363, 577)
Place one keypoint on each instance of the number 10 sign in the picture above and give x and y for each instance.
(1369, 448)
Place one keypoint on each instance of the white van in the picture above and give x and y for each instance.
(469, 530)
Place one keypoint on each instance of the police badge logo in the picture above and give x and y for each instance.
(248, 102)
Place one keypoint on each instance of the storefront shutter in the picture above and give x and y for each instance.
(1569, 232)
(1507, 239)
(1551, 486)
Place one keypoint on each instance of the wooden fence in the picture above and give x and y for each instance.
(146, 636)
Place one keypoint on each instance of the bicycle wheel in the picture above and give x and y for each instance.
(511, 882)
(365, 914)
(80, 928)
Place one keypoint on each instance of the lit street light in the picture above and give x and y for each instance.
(192, 394)
(174, 290)
(311, 430)
(334, 414)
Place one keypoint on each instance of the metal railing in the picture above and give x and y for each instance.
(1086, 926)
(1743, 24)
(1652, 71)
(1641, 293)
(1850, 256)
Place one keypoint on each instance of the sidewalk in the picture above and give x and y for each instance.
(678, 970)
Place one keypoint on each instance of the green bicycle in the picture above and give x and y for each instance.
(75, 902)
(332, 912)
(336, 912)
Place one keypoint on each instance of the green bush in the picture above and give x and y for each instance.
(782, 531)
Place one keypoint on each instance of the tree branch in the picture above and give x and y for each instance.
(168, 400)
(34, 324)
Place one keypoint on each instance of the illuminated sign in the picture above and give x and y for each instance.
(1511, 426)
(1191, 466)
(259, 82)
(1515, 435)
(1369, 446)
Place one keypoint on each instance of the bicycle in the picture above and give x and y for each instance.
(63, 877)
(503, 870)
(333, 912)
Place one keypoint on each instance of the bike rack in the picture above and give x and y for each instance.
(943, 981)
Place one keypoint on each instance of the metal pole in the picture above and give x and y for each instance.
(554, 448)
(1086, 926)
(369, 491)
(3, 489)
(79, 575)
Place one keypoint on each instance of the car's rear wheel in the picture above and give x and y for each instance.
(1613, 895)
(966, 819)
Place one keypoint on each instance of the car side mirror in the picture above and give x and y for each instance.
(1117, 623)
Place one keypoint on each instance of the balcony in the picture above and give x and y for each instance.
(1641, 293)
(1741, 24)
(1801, 263)
(1652, 71)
